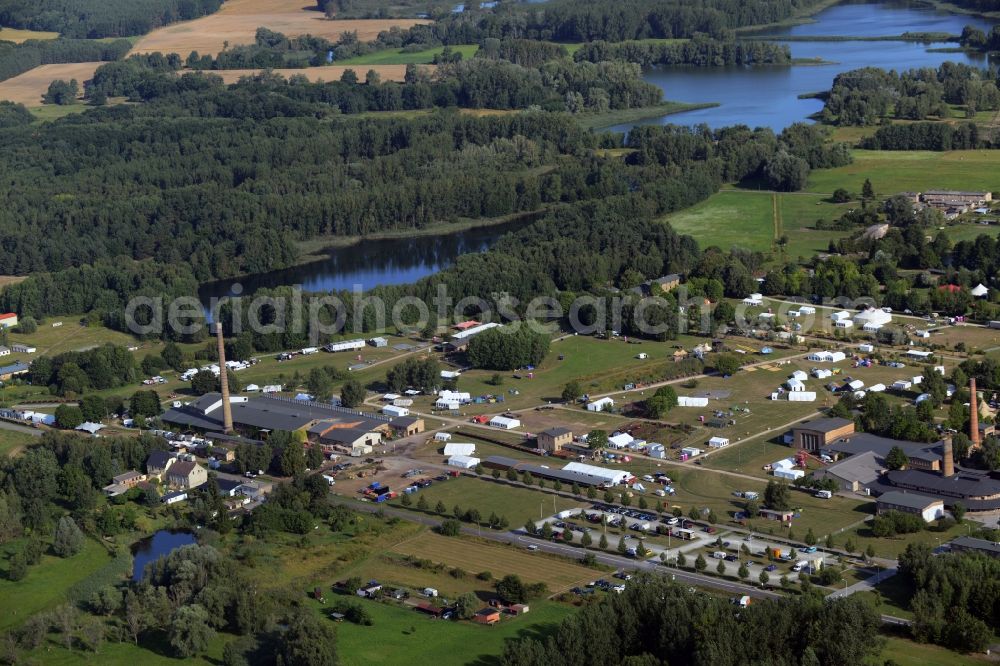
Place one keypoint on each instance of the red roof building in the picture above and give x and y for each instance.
(950, 288)
(466, 325)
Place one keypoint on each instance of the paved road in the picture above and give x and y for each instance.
(610, 559)
(866, 585)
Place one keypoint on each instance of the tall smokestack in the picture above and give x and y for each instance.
(227, 409)
(973, 414)
(948, 458)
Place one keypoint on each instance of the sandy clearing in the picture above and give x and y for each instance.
(17, 36)
(29, 87)
(238, 20)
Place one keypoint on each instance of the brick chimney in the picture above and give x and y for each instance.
(973, 414)
(947, 458)
(227, 409)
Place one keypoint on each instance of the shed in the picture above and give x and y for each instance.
(718, 442)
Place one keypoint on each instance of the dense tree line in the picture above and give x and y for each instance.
(974, 38)
(91, 19)
(420, 374)
(19, 58)
(865, 96)
(701, 51)
(925, 136)
(955, 598)
(73, 373)
(656, 621)
(505, 349)
(586, 21)
(525, 52)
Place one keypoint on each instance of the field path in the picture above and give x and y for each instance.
(238, 20)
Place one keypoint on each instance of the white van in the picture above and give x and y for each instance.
(720, 555)
(798, 566)
(824, 494)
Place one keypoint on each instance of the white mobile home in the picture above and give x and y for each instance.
(345, 345)
(685, 401)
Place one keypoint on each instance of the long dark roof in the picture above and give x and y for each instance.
(267, 413)
(863, 441)
(972, 543)
(825, 425)
(557, 431)
(962, 487)
(909, 500)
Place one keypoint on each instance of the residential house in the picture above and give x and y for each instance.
(8, 320)
(554, 439)
(158, 463)
(186, 474)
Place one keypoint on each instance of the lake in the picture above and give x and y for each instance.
(370, 263)
(768, 96)
(153, 548)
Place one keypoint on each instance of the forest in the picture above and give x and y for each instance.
(586, 21)
(93, 19)
(955, 597)
(19, 58)
(866, 96)
(657, 622)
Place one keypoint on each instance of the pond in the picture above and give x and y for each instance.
(768, 96)
(370, 263)
(153, 548)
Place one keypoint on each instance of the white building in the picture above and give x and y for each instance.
(685, 401)
(918, 354)
(691, 451)
(800, 375)
(795, 385)
(463, 462)
(620, 441)
(378, 342)
(504, 423)
(393, 410)
(344, 345)
(901, 385)
(821, 373)
(855, 385)
(802, 396)
(754, 299)
(600, 405)
(876, 388)
(807, 309)
(457, 449)
(472, 332)
(718, 442)
(918, 380)
(789, 474)
(840, 316)
(866, 348)
(271, 388)
(843, 323)
(450, 374)
(251, 388)
(611, 477)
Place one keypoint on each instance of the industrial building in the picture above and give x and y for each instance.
(927, 508)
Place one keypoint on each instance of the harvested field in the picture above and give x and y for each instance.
(17, 36)
(238, 20)
(29, 87)
(329, 73)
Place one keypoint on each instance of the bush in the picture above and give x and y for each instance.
(450, 527)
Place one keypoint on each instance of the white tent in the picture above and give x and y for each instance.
(800, 375)
(980, 290)
(684, 401)
(457, 449)
(464, 462)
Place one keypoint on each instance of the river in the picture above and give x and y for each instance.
(768, 96)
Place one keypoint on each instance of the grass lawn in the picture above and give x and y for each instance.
(11, 441)
(910, 653)
(401, 57)
(473, 557)
(518, 504)
(54, 111)
(892, 546)
(401, 636)
(46, 584)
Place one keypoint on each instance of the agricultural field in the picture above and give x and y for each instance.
(474, 557)
(403, 57)
(314, 74)
(401, 637)
(29, 87)
(238, 20)
(17, 36)
(754, 220)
